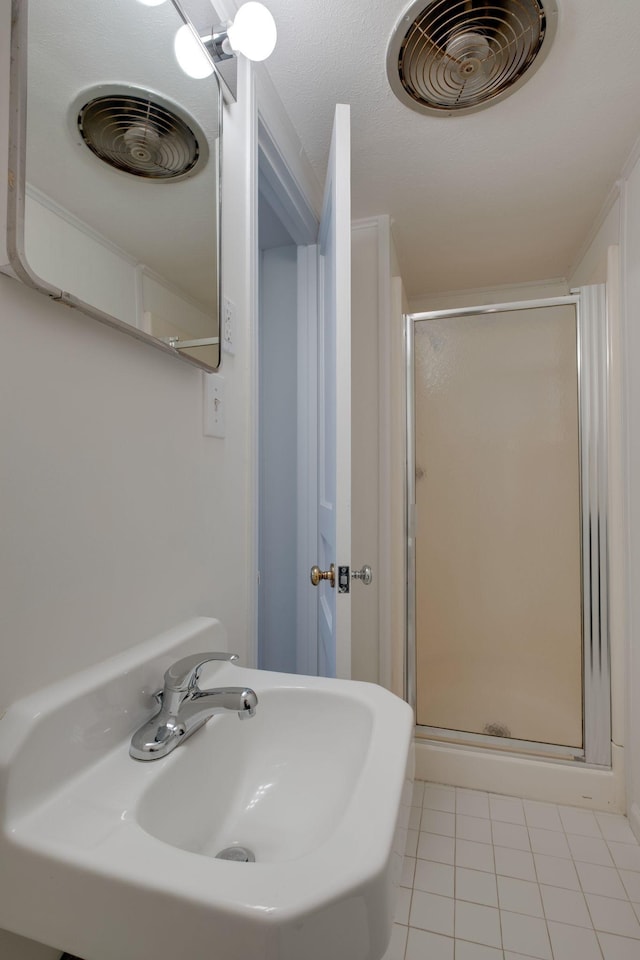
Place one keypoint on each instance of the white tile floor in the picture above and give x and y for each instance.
(497, 878)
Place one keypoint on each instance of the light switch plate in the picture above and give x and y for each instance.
(214, 405)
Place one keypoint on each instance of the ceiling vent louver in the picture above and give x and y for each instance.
(136, 133)
(461, 55)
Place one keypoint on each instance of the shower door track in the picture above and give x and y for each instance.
(507, 745)
(592, 368)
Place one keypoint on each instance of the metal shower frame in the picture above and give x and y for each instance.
(592, 383)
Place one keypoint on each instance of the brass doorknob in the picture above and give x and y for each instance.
(317, 575)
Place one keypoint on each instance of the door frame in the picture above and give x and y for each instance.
(293, 206)
(593, 388)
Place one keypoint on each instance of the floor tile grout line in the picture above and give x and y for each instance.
(536, 871)
(523, 913)
(582, 888)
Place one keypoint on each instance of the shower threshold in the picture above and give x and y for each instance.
(506, 745)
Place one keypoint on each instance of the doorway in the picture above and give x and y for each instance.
(277, 442)
(284, 416)
(310, 472)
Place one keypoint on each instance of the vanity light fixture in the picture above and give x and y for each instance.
(191, 54)
(253, 33)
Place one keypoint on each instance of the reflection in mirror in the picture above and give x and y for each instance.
(118, 213)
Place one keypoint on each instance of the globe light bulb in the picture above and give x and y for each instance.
(151, 3)
(190, 55)
(253, 32)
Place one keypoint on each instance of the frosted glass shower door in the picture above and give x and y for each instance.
(498, 551)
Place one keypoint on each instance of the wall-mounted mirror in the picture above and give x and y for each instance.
(115, 170)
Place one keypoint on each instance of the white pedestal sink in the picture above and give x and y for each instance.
(115, 859)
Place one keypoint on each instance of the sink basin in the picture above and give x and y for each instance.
(108, 857)
(272, 786)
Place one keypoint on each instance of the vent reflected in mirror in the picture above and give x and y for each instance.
(117, 152)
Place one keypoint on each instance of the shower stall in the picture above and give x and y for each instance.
(507, 528)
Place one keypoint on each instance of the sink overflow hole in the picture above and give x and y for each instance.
(240, 854)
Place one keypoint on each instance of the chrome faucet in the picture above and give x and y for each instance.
(184, 707)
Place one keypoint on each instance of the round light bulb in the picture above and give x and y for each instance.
(253, 32)
(151, 3)
(190, 54)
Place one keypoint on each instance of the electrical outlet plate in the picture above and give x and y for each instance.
(228, 326)
(214, 405)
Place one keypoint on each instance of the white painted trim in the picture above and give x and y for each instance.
(307, 523)
(280, 176)
(253, 358)
(339, 186)
(398, 412)
(334, 240)
(367, 223)
(546, 780)
(626, 315)
(630, 162)
(276, 121)
(5, 109)
(616, 505)
(383, 229)
(282, 191)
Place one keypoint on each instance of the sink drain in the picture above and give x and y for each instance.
(237, 853)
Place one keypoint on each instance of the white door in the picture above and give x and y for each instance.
(334, 407)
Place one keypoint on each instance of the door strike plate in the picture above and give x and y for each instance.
(344, 580)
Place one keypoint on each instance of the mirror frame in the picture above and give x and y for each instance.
(16, 196)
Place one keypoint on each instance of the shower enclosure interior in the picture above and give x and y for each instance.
(507, 527)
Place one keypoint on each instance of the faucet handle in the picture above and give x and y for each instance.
(184, 673)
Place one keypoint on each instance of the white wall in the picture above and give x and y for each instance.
(73, 257)
(509, 293)
(119, 518)
(592, 264)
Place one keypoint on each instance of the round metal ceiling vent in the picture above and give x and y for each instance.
(137, 132)
(461, 55)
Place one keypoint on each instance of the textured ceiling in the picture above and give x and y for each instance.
(505, 195)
